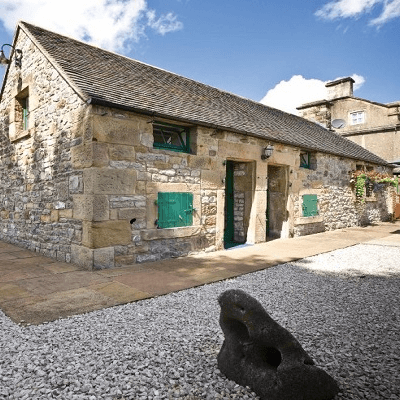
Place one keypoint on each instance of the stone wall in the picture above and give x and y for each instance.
(123, 174)
(337, 204)
(36, 178)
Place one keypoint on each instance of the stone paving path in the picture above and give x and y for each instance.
(35, 289)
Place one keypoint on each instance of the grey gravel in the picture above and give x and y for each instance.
(342, 306)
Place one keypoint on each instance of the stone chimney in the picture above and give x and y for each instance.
(340, 88)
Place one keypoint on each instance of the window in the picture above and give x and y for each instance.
(305, 160)
(357, 117)
(174, 209)
(310, 205)
(25, 112)
(369, 188)
(171, 137)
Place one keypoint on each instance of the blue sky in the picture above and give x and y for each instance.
(286, 48)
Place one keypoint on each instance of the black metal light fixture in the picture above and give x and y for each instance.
(18, 56)
(267, 152)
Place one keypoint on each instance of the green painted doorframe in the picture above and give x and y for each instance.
(229, 206)
(229, 233)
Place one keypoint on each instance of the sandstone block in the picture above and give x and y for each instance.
(5, 214)
(89, 154)
(122, 152)
(45, 218)
(239, 151)
(259, 353)
(91, 207)
(54, 215)
(199, 162)
(212, 179)
(67, 213)
(120, 131)
(130, 213)
(106, 233)
(109, 181)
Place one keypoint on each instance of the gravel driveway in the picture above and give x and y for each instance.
(342, 306)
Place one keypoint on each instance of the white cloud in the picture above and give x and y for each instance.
(287, 95)
(164, 24)
(108, 24)
(355, 8)
(391, 10)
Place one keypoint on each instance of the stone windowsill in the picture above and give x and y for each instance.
(309, 220)
(20, 134)
(169, 233)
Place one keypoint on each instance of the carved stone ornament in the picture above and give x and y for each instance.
(259, 353)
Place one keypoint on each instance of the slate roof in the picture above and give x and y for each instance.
(113, 80)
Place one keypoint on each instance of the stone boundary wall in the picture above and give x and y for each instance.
(36, 177)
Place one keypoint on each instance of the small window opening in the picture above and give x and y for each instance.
(171, 137)
(369, 188)
(305, 160)
(25, 113)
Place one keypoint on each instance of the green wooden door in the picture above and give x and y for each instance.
(175, 209)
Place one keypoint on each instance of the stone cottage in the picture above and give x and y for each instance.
(106, 161)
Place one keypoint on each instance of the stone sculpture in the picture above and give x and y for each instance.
(259, 353)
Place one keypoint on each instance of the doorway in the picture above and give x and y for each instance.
(238, 200)
(277, 195)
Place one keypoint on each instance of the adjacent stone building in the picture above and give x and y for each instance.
(106, 161)
(374, 126)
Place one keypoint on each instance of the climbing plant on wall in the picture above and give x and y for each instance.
(360, 179)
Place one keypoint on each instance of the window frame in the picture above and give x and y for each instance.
(355, 117)
(179, 130)
(24, 102)
(305, 163)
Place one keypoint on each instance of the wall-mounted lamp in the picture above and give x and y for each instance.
(18, 56)
(267, 152)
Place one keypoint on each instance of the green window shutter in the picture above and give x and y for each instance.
(175, 209)
(310, 205)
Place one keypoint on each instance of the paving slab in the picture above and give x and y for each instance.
(35, 289)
